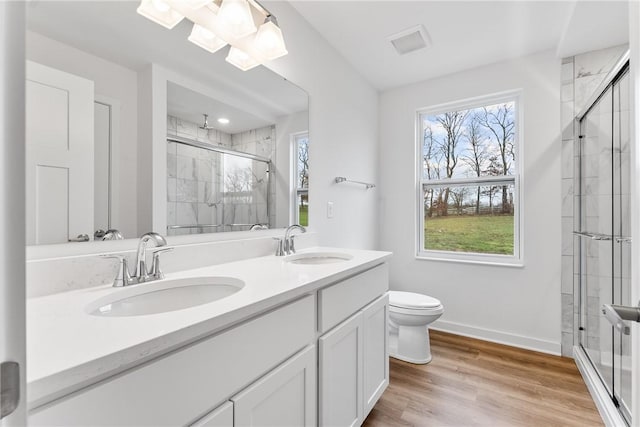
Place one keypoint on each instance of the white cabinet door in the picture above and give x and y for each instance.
(222, 416)
(59, 140)
(285, 397)
(340, 357)
(376, 351)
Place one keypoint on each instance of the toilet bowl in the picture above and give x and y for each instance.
(409, 315)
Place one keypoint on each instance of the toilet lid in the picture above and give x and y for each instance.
(412, 300)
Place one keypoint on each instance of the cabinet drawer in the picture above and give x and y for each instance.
(184, 385)
(339, 301)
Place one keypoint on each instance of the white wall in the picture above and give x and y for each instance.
(115, 82)
(518, 306)
(342, 130)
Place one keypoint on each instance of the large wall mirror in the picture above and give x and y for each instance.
(101, 139)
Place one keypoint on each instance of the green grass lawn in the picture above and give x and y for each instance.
(303, 213)
(487, 234)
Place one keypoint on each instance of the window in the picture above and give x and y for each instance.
(301, 178)
(469, 181)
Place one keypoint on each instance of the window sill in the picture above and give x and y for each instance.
(471, 259)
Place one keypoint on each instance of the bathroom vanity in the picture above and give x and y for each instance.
(299, 344)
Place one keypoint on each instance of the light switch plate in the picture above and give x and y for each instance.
(329, 209)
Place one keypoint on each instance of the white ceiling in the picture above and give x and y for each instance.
(465, 34)
(189, 105)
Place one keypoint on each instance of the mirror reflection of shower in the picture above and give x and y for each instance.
(221, 156)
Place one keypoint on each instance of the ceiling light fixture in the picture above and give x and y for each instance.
(241, 59)
(223, 121)
(269, 39)
(160, 12)
(235, 17)
(221, 22)
(206, 39)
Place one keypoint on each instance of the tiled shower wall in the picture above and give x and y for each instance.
(581, 76)
(195, 179)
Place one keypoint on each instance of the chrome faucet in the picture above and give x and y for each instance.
(289, 247)
(141, 275)
(141, 264)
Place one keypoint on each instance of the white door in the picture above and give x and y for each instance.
(340, 364)
(12, 222)
(285, 397)
(375, 318)
(59, 140)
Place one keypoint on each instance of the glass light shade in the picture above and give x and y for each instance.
(235, 17)
(206, 39)
(196, 4)
(269, 41)
(241, 59)
(160, 12)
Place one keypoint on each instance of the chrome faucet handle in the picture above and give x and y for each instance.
(279, 247)
(156, 273)
(123, 277)
(292, 247)
(112, 234)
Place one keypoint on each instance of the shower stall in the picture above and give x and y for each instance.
(213, 189)
(602, 240)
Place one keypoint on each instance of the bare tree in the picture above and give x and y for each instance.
(493, 169)
(458, 195)
(431, 158)
(452, 123)
(478, 156)
(500, 123)
(303, 168)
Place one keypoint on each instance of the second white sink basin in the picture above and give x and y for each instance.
(164, 296)
(315, 258)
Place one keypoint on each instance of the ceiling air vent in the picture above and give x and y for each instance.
(411, 39)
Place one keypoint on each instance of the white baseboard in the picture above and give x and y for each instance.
(499, 337)
(599, 394)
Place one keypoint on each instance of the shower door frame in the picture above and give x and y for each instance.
(582, 355)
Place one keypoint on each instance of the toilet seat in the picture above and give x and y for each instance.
(417, 311)
(413, 301)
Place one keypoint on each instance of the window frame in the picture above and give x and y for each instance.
(515, 260)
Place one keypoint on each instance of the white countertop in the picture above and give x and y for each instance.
(67, 348)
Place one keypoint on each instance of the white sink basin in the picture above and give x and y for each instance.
(317, 258)
(164, 296)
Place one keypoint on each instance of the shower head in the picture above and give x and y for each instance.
(205, 125)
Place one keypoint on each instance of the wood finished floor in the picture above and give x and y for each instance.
(471, 382)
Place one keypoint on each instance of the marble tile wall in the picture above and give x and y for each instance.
(261, 142)
(580, 77)
(208, 188)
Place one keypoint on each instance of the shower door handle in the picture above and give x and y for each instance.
(617, 314)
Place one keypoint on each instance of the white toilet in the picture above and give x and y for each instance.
(409, 315)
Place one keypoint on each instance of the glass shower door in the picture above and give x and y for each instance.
(622, 241)
(594, 231)
(603, 237)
